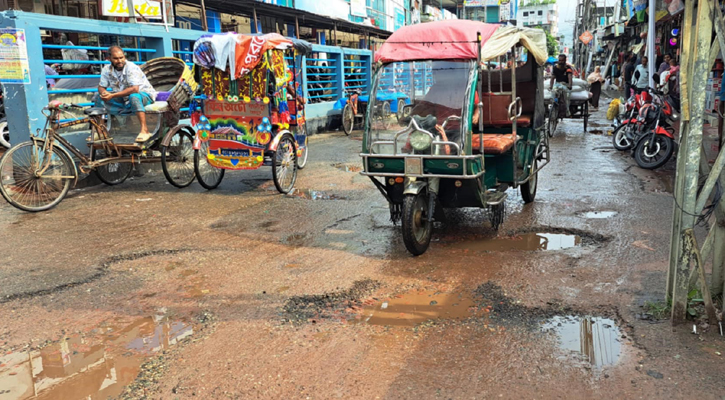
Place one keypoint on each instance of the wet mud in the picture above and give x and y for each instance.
(332, 305)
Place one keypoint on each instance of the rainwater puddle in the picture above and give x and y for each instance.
(599, 214)
(309, 194)
(348, 167)
(413, 308)
(524, 242)
(96, 366)
(595, 339)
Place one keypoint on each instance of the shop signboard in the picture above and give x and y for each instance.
(399, 19)
(331, 8)
(14, 66)
(474, 3)
(148, 9)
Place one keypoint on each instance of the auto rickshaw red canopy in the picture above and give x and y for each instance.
(456, 40)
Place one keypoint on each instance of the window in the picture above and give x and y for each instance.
(526, 13)
(541, 12)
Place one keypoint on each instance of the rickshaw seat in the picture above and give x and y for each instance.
(493, 143)
(157, 107)
(495, 113)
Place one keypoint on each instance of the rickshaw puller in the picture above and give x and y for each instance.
(132, 91)
(563, 75)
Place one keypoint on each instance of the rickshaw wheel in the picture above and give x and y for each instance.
(401, 106)
(177, 159)
(528, 189)
(417, 230)
(348, 119)
(302, 161)
(19, 184)
(553, 117)
(114, 173)
(385, 115)
(284, 165)
(496, 215)
(209, 176)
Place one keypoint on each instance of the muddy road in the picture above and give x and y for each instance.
(146, 291)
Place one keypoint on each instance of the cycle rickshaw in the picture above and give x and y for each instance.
(437, 157)
(387, 105)
(36, 175)
(251, 113)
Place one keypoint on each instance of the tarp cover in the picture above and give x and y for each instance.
(251, 49)
(507, 36)
(449, 40)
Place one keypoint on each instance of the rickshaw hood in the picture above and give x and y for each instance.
(456, 40)
(448, 40)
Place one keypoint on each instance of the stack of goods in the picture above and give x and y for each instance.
(579, 90)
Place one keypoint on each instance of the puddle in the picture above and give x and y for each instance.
(523, 242)
(347, 167)
(596, 131)
(96, 366)
(310, 194)
(599, 214)
(595, 339)
(413, 308)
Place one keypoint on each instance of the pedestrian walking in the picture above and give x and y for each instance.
(595, 81)
(665, 64)
(640, 78)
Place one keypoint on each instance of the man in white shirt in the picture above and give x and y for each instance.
(130, 90)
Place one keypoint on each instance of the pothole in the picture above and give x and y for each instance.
(413, 308)
(332, 305)
(98, 364)
(598, 214)
(532, 241)
(309, 194)
(595, 340)
(347, 167)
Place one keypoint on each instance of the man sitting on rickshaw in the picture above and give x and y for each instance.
(130, 89)
(563, 76)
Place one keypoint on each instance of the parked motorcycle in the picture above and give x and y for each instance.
(4, 131)
(655, 140)
(624, 134)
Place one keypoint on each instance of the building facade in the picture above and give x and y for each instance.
(539, 13)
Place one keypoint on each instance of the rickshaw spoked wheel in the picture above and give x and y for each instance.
(209, 176)
(553, 117)
(302, 159)
(401, 106)
(385, 115)
(528, 189)
(113, 173)
(348, 119)
(496, 214)
(177, 158)
(284, 164)
(417, 230)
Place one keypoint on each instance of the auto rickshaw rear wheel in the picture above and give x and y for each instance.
(417, 230)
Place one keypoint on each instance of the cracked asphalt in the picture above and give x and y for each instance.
(143, 290)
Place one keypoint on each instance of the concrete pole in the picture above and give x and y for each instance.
(651, 36)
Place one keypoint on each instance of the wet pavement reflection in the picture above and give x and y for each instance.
(597, 340)
(96, 365)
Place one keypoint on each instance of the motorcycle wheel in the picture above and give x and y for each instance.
(619, 137)
(654, 158)
(416, 228)
(4, 133)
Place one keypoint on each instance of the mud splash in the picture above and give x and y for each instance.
(596, 340)
(413, 308)
(97, 365)
(533, 241)
(309, 194)
(598, 214)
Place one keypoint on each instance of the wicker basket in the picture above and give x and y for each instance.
(170, 74)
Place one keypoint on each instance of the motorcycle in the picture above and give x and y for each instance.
(4, 131)
(627, 128)
(655, 140)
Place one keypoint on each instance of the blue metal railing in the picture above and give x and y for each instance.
(128, 50)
